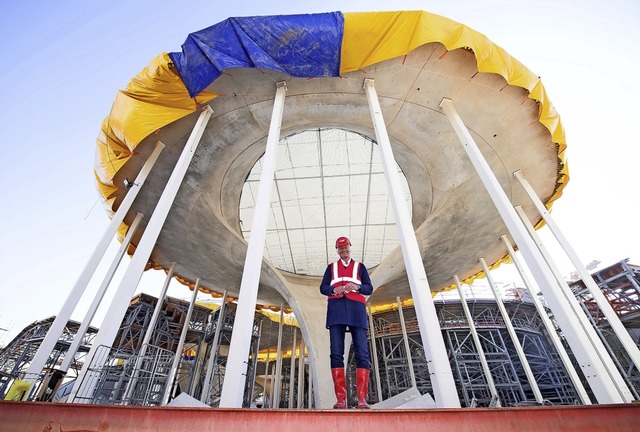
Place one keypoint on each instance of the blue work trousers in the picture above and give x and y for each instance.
(360, 345)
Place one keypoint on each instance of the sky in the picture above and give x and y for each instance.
(63, 62)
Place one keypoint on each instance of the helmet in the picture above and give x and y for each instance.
(342, 241)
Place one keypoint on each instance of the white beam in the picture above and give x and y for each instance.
(205, 395)
(512, 334)
(548, 325)
(604, 305)
(586, 328)
(183, 336)
(435, 350)
(407, 348)
(594, 369)
(235, 374)
(84, 324)
(476, 341)
(53, 334)
(148, 333)
(131, 278)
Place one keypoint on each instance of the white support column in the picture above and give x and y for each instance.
(476, 341)
(604, 305)
(205, 395)
(235, 374)
(512, 334)
(278, 377)
(131, 278)
(587, 329)
(54, 332)
(147, 335)
(442, 380)
(183, 336)
(300, 401)
(311, 398)
(407, 348)
(548, 325)
(292, 367)
(84, 324)
(594, 369)
(374, 354)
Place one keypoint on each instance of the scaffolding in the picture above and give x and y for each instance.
(473, 388)
(620, 284)
(18, 354)
(128, 374)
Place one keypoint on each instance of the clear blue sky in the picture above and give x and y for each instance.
(63, 62)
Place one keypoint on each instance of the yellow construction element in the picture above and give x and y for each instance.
(372, 37)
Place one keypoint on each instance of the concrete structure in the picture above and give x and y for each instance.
(456, 113)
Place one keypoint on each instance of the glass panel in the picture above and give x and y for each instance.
(329, 183)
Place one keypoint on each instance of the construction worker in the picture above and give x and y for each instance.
(346, 283)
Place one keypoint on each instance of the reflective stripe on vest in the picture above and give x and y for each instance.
(337, 280)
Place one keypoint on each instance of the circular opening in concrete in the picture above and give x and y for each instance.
(328, 183)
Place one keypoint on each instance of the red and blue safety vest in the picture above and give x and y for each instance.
(350, 308)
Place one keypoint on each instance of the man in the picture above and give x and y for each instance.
(346, 283)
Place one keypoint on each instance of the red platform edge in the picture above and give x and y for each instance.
(54, 417)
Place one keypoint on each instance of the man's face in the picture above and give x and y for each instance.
(344, 252)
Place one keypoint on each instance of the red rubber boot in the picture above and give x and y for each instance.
(362, 387)
(340, 387)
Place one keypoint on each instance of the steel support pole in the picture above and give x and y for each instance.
(374, 352)
(278, 377)
(53, 334)
(300, 401)
(205, 395)
(603, 387)
(266, 381)
(548, 325)
(292, 367)
(407, 348)
(147, 335)
(512, 333)
(436, 353)
(183, 336)
(235, 374)
(476, 341)
(131, 278)
(604, 305)
(591, 337)
(84, 324)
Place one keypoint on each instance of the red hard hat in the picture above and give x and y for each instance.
(342, 241)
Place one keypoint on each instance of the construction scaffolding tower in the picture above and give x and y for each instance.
(18, 354)
(473, 389)
(620, 284)
(128, 374)
(132, 374)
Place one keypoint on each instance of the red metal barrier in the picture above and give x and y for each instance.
(52, 417)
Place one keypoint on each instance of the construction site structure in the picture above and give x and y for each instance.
(17, 355)
(129, 373)
(620, 284)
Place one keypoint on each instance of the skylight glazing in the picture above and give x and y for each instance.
(328, 183)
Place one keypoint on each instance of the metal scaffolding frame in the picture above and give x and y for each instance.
(220, 351)
(473, 389)
(119, 382)
(18, 354)
(123, 377)
(620, 284)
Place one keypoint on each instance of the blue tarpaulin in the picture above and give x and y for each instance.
(302, 46)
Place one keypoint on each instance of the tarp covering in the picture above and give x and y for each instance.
(315, 45)
(303, 46)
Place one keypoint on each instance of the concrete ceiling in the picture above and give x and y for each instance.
(455, 221)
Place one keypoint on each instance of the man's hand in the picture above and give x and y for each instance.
(339, 291)
(351, 287)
